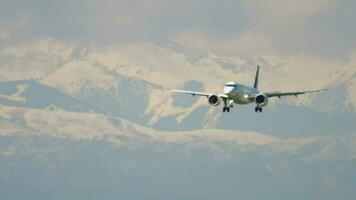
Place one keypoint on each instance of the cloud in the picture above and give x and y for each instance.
(125, 20)
(252, 44)
(294, 26)
(270, 13)
(10, 27)
(321, 28)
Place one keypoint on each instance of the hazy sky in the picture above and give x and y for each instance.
(321, 27)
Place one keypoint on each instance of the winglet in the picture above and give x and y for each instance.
(255, 85)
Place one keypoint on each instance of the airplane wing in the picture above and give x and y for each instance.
(223, 96)
(280, 94)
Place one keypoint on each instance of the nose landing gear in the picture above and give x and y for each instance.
(258, 109)
(226, 109)
(227, 105)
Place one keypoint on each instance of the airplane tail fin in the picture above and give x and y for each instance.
(255, 85)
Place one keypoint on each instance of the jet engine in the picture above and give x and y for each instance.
(261, 99)
(214, 100)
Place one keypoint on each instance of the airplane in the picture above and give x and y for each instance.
(241, 94)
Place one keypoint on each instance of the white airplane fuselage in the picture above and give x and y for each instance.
(239, 93)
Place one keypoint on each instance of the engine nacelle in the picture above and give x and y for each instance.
(214, 100)
(261, 99)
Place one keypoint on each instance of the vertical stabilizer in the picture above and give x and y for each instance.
(255, 85)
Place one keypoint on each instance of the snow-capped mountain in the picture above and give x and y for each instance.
(132, 161)
(134, 82)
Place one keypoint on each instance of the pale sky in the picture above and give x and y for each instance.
(322, 27)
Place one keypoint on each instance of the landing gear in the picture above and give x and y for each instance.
(258, 109)
(227, 109)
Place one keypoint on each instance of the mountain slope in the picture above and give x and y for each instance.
(66, 154)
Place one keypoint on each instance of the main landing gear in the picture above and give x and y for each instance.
(258, 109)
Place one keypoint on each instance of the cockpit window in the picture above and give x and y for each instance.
(230, 85)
